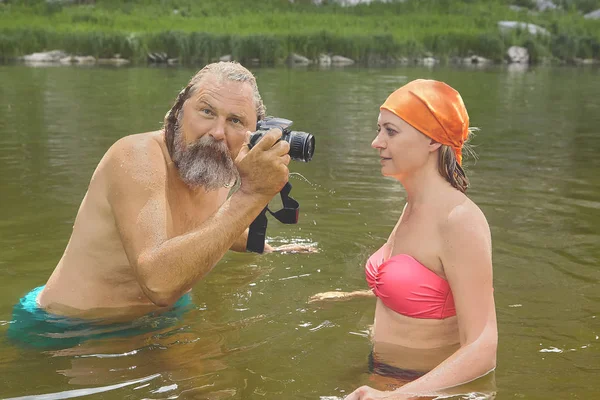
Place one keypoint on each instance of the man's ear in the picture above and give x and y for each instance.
(433, 145)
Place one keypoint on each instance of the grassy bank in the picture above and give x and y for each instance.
(197, 32)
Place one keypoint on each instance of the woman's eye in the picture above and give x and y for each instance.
(391, 131)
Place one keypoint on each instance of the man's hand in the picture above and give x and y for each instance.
(263, 169)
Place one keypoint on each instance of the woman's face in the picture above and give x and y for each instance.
(402, 148)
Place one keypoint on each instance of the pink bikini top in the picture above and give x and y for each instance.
(408, 287)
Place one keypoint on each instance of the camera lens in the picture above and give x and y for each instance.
(302, 146)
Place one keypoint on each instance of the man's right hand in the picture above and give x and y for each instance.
(263, 169)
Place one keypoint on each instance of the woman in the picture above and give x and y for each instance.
(435, 319)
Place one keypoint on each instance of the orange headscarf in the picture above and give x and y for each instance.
(434, 109)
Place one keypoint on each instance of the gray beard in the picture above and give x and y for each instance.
(205, 163)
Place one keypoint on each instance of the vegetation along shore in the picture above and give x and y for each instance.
(268, 32)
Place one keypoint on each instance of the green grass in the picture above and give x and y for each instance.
(269, 29)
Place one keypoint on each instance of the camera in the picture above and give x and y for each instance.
(302, 144)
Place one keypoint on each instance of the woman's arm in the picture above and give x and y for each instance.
(337, 296)
(467, 261)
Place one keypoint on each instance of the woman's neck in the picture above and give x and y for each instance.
(423, 186)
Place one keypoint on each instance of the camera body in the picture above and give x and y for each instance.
(302, 144)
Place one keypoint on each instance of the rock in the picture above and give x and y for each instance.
(429, 61)
(113, 61)
(518, 55)
(506, 26)
(158, 57)
(341, 61)
(53, 56)
(476, 60)
(226, 58)
(540, 5)
(324, 59)
(584, 61)
(297, 59)
(545, 5)
(173, 61)
(593, 15)
(83, 60)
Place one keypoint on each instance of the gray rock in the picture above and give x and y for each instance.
(545, 5)
(476, 60)
(429, 61)
(113, 61)
(350, 3)
(53, 56)
(226, 58)
(324, 59)
(297, 59)
(159, 57)
(341, 61)
(518, 55)
(83, 60)
(585, 61)
(593, 15)
(506, 26)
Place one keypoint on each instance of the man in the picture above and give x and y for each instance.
(156, 217)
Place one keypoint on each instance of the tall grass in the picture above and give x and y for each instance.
(268, 30)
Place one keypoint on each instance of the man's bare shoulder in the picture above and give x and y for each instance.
(140, 158)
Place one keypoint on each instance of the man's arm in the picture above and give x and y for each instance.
(168, 267)
(240, 243)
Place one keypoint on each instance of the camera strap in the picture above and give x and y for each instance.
(287, 215)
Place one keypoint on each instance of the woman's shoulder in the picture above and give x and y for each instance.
(463, 218)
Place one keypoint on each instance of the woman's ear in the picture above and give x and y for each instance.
(433, 145)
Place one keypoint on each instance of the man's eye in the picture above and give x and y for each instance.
(206, 111)
(236, 121)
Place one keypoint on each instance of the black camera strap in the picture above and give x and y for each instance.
(287, 215)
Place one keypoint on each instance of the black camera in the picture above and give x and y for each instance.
(302, 144)
(302, 147)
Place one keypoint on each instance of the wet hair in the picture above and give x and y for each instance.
(449, 167)
(229, 71)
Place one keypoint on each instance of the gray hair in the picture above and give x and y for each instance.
(230, 71)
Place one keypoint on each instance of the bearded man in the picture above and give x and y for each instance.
(157, 215)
